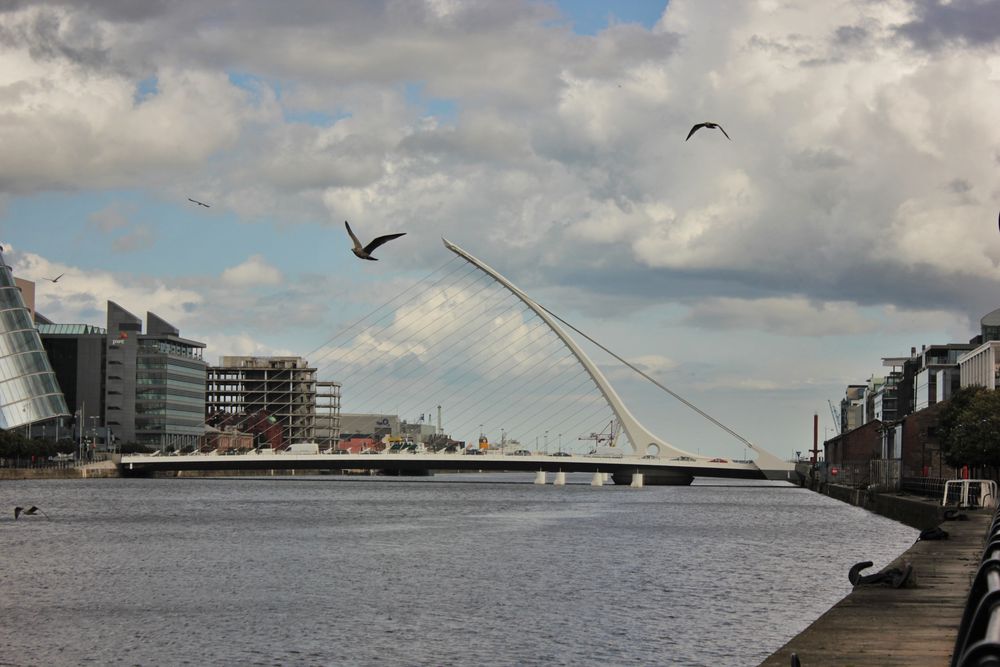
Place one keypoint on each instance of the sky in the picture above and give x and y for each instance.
(852, 216)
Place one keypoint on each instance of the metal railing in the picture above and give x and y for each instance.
(978, 640)
(883, 474)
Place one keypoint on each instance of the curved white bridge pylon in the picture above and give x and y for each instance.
(643, 441)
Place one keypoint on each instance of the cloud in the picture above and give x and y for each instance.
(781, 316)
(82, 296)
(254, 271)
(114, 221)
(140, 237)
(109, 218)
(938, 23)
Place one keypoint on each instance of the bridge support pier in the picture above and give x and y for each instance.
(598, 479)
(636, 480)
(560, 479)
(540, 477)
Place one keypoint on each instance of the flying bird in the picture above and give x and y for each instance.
(195, 201)
(711, 126)
(56, 279)
(18, 511)
(366, 252)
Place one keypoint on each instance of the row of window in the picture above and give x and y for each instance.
(184, 396)
(171, 380)
(24, 386)
(190, 404)
(164, 347)
(16, 342)
(39, 407)
(172, 365)
(10, 298)
(16, 319)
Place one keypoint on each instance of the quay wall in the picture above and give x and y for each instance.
(916, 624)
(91, 471)
(915, 511)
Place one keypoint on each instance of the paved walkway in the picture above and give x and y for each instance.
(882, 626)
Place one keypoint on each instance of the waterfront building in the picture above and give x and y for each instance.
(29, 389)
(78, 356)
(981, 366)
(852, 407)
(989, 326)
(370, 425)
(128, 386)
(282, 390)
(939, 373)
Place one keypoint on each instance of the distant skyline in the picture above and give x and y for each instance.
(852, 216)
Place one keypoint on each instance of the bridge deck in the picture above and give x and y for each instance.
(140, 464)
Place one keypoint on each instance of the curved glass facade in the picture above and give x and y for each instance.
(28, 388)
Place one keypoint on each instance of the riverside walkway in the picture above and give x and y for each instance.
(883, 626)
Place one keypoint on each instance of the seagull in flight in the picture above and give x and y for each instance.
(366, 252)
(18, 511)
(711, 126)
(56, 279)
(195, 201)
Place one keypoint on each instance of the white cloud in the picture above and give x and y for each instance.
(82, 295)
(254, 271)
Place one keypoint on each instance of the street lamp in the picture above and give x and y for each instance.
(93, 431)
(546, 442)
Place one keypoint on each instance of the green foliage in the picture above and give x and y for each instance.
(13, 444)
(969, 428)
(133, 448)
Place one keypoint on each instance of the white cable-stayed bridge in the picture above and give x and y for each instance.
(468, 340)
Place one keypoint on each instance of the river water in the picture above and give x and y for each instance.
(449, 570)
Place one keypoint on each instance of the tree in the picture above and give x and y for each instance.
(969, 428)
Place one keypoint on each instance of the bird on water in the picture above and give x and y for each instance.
(366, 251)
(711, 126)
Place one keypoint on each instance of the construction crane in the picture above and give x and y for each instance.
(836, 417)
(610, 436)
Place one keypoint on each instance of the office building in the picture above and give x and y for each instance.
(29, 389)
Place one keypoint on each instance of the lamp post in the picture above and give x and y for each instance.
(546, 442)
(93, 431)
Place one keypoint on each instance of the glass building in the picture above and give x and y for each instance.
(29, 391)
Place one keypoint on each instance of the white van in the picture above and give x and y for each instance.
(303, 448)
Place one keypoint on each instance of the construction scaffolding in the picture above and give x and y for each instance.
(282, 390)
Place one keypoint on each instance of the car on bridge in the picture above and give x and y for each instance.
(473, 452)
(561, 454)
(718, 461)
(521, 452)
(683, 458)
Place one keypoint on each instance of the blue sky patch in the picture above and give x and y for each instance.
(590, 17)
(148, 87)
(442, 108)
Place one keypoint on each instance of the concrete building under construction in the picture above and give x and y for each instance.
(280, 392)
